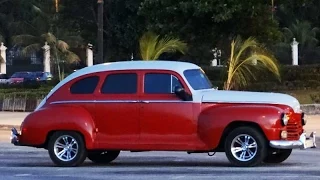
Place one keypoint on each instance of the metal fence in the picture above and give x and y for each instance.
(19, 104)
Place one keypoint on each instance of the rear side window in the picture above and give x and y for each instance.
(86, 85)
(124, 83)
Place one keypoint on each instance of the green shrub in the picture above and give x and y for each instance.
(304, 77)
(315, 97)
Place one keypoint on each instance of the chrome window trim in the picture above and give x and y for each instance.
(119, 101)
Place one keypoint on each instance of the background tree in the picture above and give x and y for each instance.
(306, 35)
(45, 28)
(248, 59)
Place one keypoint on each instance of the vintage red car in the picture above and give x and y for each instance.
(100, 110)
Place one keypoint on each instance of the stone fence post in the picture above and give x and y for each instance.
(46, 58)
(295, 53)
(3, 64)
(89, 60)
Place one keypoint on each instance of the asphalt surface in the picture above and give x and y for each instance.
(25, 163)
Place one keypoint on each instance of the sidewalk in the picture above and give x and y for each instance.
(12, 118)
(9, 119)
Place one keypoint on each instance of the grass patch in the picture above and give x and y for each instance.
(304, 96)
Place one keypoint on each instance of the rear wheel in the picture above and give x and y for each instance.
(67, 148)
(245, 147)
(103, 157)
(277, 156)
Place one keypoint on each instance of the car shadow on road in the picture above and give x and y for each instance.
(133, 164)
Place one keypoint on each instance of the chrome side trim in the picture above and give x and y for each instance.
(304, 142)
(94, 101)
(119, 101)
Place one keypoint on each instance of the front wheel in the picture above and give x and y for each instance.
(245, 147)
(67, 148)
(278, 156)
(103, 157)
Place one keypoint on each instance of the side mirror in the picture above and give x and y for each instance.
(182, 94)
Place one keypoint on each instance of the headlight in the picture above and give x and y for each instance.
(284, 119)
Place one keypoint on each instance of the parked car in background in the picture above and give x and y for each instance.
(19, 77)
(43, 76)
(100, 110)
(38, 76)
(4, 78)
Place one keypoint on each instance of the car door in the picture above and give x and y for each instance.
(117, 110)
(166, 121)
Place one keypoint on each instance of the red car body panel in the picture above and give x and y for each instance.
(147, 121)
(37, 126)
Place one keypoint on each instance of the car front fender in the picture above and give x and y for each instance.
(213, 121)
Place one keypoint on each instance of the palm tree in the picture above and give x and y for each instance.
(151, 47)
(59, 49)
(246, 59)
(306, 35)
(43, 29)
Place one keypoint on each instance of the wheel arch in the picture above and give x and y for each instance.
(235, 124)
(50, 133)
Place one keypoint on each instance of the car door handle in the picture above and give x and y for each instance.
(133, 101)
(145, 101)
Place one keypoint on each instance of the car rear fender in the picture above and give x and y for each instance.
(40, 124)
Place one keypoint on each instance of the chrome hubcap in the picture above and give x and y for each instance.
(66, 148)
(244, 147)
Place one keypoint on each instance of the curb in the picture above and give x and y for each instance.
(8, 127)
(311, 109)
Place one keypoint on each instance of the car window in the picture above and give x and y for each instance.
(197, 79)
(160, 83)
(86, 85)
(124, 83)
(20, 74)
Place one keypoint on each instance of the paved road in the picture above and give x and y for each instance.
(26, 163)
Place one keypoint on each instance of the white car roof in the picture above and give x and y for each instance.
(130, 65)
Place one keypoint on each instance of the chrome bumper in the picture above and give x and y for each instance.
(14, 137)
(304, 142)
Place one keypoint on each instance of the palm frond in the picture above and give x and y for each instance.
(242, 46)
(62, 46)
(32, 48)
(71, 57)
(241, 69)
(24, 39)
(49, 38)
(169, 45)
(151, 46)
(148, 43)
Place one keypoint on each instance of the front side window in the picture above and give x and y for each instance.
(160, 83)
(124, 83)
(197, 79)
(86, 85)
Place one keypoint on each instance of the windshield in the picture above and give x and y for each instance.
(197, 79)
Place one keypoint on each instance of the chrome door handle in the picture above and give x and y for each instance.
(133, 101)
(145, 101)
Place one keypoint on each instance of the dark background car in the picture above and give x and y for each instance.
(43, 76)
(19, 77)
(4, 78)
